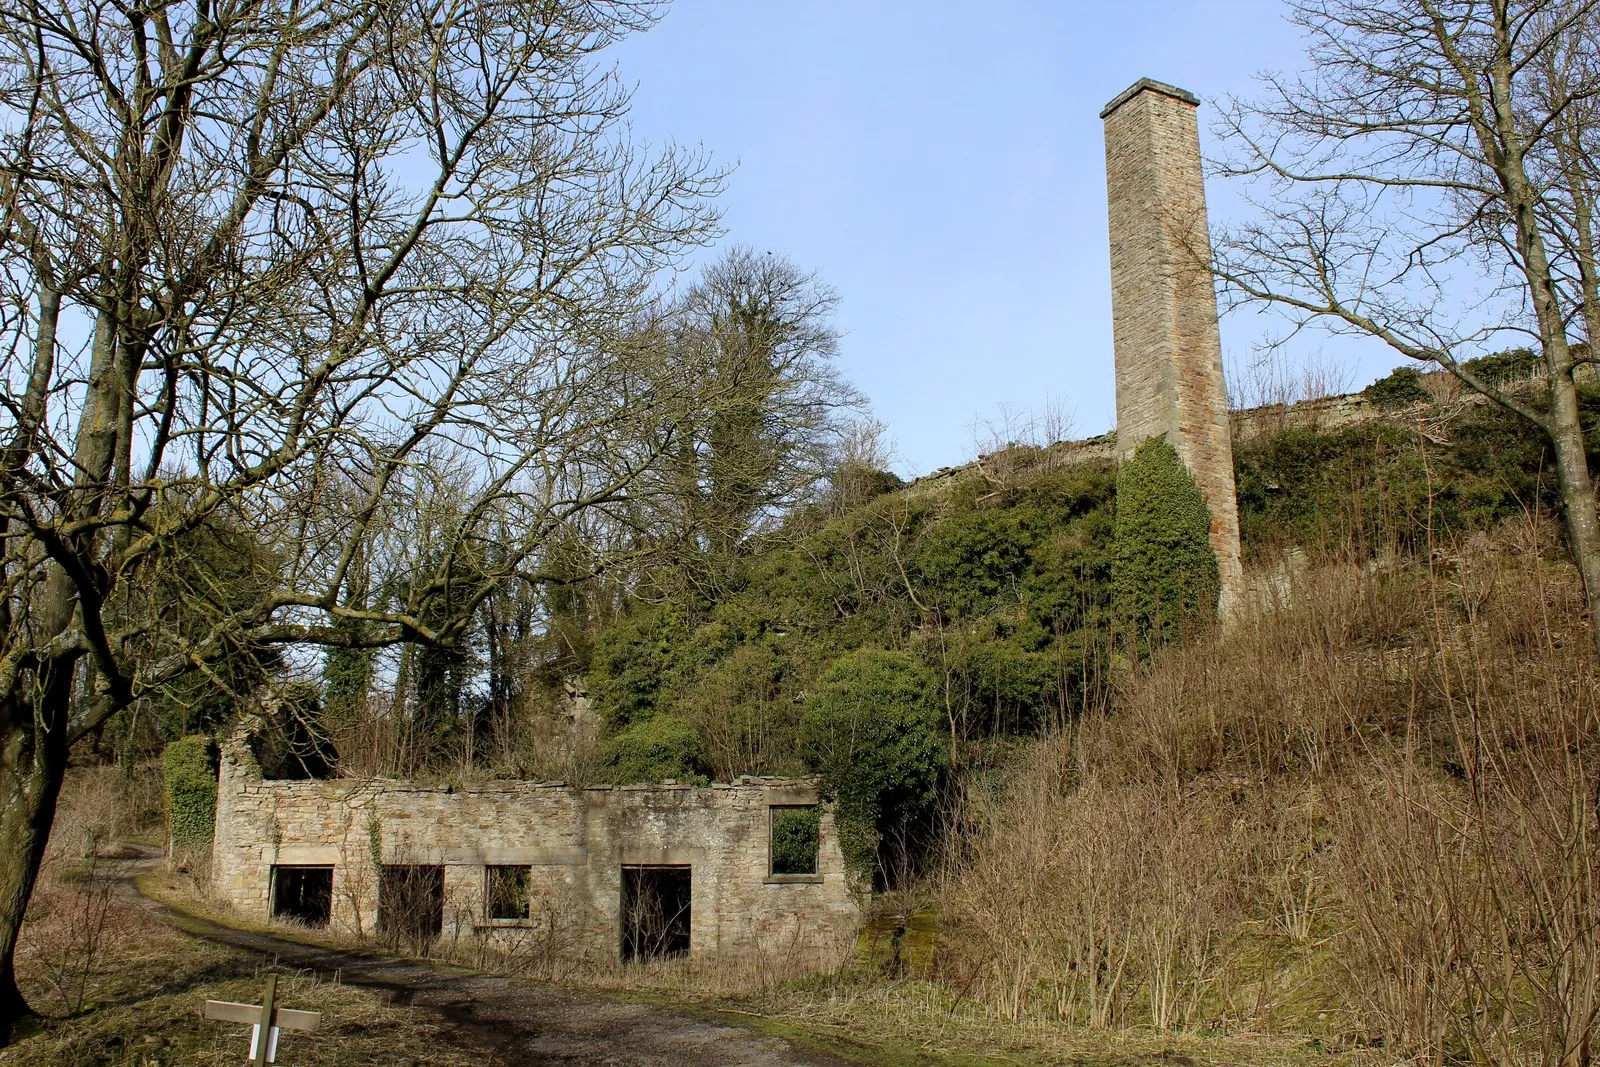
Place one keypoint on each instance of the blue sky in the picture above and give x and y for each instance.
(941, 166)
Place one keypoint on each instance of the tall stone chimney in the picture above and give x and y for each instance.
(1163, 306)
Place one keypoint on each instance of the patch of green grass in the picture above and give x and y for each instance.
(922, 1023)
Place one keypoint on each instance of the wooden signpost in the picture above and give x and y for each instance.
(267, 1018)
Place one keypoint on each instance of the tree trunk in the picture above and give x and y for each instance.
(33, 760)
(1578, 501)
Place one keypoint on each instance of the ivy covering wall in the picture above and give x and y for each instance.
(872, 730)
(1164, 573)
(189, 773)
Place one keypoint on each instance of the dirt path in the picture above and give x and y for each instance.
(525, 1022)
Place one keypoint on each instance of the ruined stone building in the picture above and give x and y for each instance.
(753, 866)
(605, 872)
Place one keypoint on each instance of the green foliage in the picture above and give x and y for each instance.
(1499, 368)
(1401, 388)
(1165, 574)
(346, 676)
(873, 731)
(1001, 593)
(347, 672)
(954, 618)
(796, 833)
(653, 750)
(1005, 593)
(1381, 485)
(209, 573)
(189, 774)
(635, 661)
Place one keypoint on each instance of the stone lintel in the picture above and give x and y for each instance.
(1153, 86)
(307, 855)
(797, 793)
(521, 857)
(637, 856)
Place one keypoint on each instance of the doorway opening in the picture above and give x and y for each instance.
(655, 913)
(304, 894)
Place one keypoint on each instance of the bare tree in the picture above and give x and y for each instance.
(1431, 183)
(257, 251)
(763, 407)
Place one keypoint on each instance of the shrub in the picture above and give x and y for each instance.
(655, 749)
(874, 732)
(1379, 484)
(634, 666)
(1164, 573)
(795, 836)
(1401, 388)
(189, 769)
(1498, 368)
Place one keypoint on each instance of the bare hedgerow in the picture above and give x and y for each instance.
(1472, 881)
(1368, 812)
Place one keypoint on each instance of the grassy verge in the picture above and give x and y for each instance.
(143, 1007)
(852, 1015)
(912, 1024)
(919, 1021)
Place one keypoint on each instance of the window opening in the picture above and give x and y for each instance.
(304, 894)
(796, 839)
(506, 891)
(411, 901)
(655, 913)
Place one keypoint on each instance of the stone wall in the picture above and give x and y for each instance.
(575, 840)
(1163, 306)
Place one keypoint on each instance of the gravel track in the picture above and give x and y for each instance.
(522, 1021)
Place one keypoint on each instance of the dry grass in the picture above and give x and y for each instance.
(117, 986)
(856, 1010)
(930, 1018)
(146, 1012)
(1366, 815)
(1357, 826)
